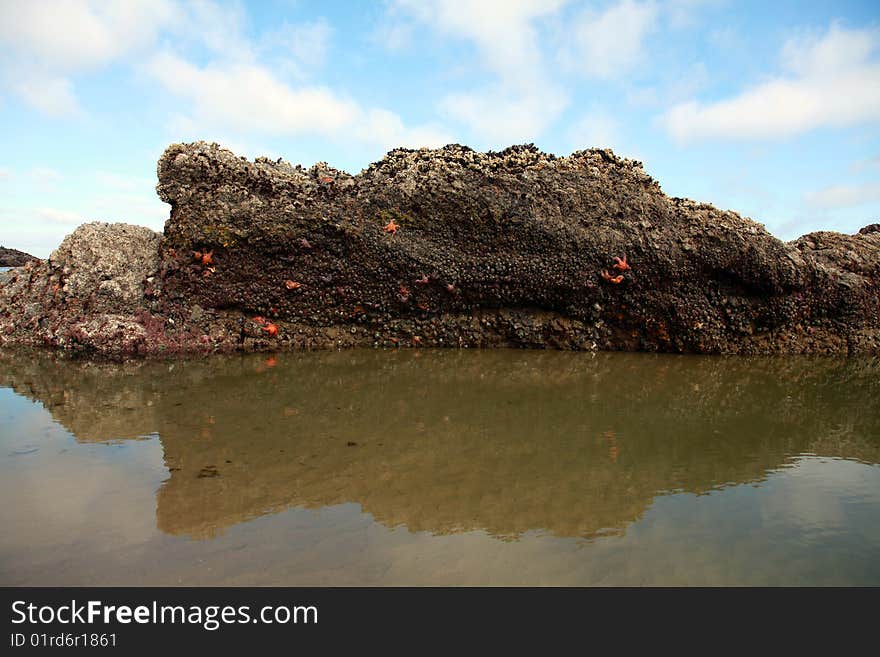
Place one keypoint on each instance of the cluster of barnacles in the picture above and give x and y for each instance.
(405, 294)
(621, 265)
(426, 279)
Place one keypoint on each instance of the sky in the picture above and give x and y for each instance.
(771, 109)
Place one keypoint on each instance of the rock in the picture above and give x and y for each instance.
(106, 265)
(510, 248)
(88, 297)
(14, 258)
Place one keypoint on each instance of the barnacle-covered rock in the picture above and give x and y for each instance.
(451, 247)
(105, 265)
(91, 295)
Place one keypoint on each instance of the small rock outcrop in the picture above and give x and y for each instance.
(445, 247)
(105, 265)
(89, 295)
(14, 258)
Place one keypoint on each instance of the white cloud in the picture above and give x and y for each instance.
(218, 27)
(842, 196)
(308, 43)
(69, 35)
(250, 98)
(523, 100)
(832, 81)
(838, 50)
(610, 43)
(296, 50)
(502, 30)
(45, 41)
(5, 174)
(231, 100)
(52, 95)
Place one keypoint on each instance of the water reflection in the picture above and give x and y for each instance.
(506, 442)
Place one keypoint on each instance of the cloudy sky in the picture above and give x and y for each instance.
(768, 108)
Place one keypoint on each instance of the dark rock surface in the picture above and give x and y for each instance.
(445, 247)
(14, 258)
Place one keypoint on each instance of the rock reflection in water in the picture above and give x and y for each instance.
(576, 445)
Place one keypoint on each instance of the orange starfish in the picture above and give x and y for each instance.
(612, 279)
(292, 285)
(271, 329)
(391, 227)
(620, 264)
(423, 280)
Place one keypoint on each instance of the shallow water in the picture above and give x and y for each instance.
(440, 467)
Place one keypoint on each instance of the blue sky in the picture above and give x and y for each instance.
(771, 109)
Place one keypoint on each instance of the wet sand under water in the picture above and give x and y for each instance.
(440, 467)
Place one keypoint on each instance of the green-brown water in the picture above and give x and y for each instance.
(440, 467)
